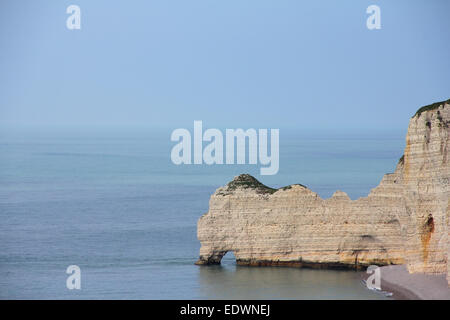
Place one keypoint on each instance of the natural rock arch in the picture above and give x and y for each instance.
(403, 220)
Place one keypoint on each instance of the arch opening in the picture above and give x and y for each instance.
(228, 258)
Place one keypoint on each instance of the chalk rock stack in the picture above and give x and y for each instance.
(405, 219)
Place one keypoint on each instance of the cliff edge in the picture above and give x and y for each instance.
(403, 220)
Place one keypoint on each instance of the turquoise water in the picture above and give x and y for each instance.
(112, 203)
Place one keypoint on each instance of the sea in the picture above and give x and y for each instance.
(111, 202)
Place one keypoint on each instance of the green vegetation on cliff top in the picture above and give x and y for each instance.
(430, 107)
(247, 181)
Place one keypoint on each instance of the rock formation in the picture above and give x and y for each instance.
(405, 219)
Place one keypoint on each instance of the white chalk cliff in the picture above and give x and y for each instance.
(405, 219)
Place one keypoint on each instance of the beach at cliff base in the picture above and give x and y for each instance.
(417, 286)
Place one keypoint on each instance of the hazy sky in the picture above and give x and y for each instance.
(233, 63)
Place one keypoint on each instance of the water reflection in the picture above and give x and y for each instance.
(229, 281)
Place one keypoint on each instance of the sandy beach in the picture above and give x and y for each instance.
(406, 286)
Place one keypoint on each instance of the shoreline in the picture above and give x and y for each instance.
(417, 286)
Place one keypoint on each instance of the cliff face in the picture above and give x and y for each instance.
(426, 189)
(403, 220)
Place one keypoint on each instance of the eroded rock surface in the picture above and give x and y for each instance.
(403, 220)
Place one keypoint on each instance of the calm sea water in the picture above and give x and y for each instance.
(112, 203)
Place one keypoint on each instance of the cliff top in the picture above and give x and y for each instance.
(246, 181)
(429, 107)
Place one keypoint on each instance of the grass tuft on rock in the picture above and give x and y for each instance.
(246, 181)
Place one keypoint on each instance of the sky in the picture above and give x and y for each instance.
(310, 65)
